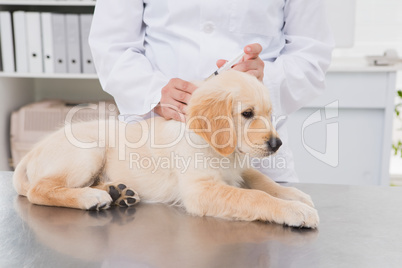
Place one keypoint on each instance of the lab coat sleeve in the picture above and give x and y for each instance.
(117, 44)
(297, 75)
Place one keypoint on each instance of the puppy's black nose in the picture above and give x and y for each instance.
(274, 143)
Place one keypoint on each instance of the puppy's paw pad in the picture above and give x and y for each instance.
(122, 195)
(114, 193)
(121, 186)
(128, 198)
(128, 202)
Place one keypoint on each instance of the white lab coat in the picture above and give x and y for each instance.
(138, 46)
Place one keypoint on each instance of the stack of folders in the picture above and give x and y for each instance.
(42, 42)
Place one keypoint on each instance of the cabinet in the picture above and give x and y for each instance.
(18, 89)
(344, 136)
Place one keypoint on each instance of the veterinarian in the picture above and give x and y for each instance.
(146, 52)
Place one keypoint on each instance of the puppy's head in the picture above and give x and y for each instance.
(232, 111)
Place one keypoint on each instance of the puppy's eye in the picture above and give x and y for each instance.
(248, 114)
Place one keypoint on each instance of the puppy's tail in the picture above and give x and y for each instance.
(20, 179)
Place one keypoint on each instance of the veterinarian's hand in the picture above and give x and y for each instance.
(251, 62)
(175, 96)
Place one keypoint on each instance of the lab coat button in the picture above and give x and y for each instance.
(209, 27)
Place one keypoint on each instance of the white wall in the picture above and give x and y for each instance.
(378, 27)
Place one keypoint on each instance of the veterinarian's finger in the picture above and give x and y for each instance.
(252, 51)
(183, 85)
(256, 74)
(180, 96)
(220, 63)
(170, 103)
(246, 66)
(174, 114)
(253, 67)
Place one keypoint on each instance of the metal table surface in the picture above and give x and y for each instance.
(361, 226)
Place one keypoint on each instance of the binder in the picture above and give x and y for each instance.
(59, 43)
(21, 46)
(47, 41)
(1, 61)
(87, 61)
(35, 55)
(7, 44)
(73, 43)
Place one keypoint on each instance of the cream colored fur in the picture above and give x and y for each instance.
(205, 178)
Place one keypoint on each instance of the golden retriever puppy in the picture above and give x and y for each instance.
(199, 165)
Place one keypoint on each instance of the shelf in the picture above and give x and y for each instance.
(359, 64)
(48, 76)
(47, 3)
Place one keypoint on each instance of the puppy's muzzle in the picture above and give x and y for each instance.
(273, 144)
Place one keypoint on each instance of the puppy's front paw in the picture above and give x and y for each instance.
(123, 196)
(297, 214)
(291, 193)
(94, 199)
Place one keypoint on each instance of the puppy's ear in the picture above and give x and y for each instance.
(210, 116)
